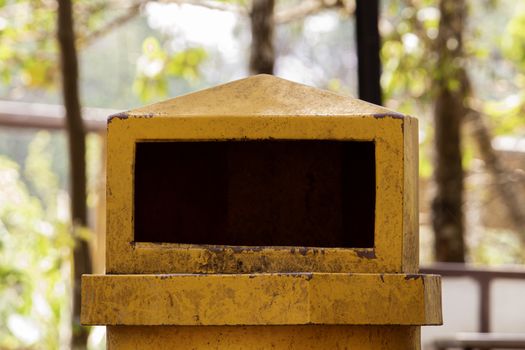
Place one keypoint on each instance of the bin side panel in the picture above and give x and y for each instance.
(410, 196)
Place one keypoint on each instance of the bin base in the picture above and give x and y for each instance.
(307, 337)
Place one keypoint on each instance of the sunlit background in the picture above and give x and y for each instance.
(136, 53)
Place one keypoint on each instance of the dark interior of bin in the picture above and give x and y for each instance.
(256, 193)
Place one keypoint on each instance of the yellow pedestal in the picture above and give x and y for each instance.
(262, 311)
(162, 291)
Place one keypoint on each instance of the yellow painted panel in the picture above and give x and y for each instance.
(261, 299)
(388, 255)
(375, 299)
(264, 337)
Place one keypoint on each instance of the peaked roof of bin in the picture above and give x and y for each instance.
(261, 95)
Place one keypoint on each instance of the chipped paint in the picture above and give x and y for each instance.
(126, 115)
(121, 115)
(388, 115)
(366, 253)
(413, 277)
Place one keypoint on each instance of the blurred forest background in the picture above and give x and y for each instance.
(459, 66)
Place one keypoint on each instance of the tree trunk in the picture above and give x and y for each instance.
(76, 138)
(262, 50)
(502, 177)
(451, 91)
(368, 46)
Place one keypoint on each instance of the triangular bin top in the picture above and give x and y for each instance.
(261, 95)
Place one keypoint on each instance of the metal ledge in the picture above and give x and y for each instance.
(261, 299)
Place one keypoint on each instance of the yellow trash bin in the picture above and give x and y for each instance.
(262, 214)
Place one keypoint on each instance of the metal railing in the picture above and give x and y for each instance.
(47, 116)
(483, 276)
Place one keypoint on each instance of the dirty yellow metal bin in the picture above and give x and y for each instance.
(262, 214)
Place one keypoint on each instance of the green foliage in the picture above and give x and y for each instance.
(497, 247)
(495, 63)
(40, 176)
(29, 52)
(513, 42)
(509, 114)
(28, 45)
(411, 72)
(407, 56)
(35, 247)
(156, 65)
(409, 65)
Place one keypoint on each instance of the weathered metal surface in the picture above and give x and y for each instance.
(262, 299)
(264, 337)
(258, 108)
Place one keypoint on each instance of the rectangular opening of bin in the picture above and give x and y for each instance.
(309, 193)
